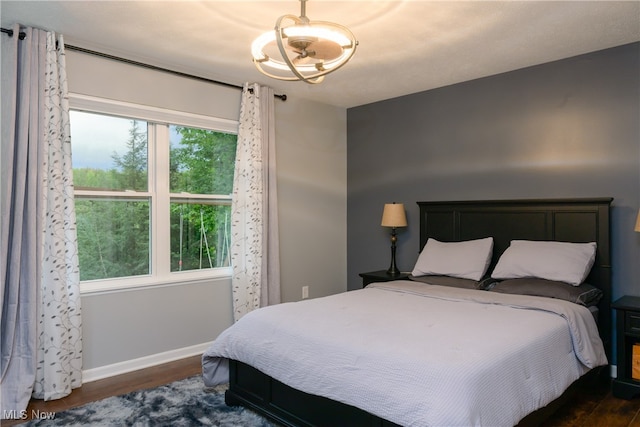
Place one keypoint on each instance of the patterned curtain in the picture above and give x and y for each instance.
(255, 252)
(41, 320)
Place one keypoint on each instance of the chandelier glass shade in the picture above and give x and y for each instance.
(300, 49)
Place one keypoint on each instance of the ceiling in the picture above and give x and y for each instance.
(404, 46)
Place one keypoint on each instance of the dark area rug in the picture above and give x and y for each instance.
(182, 403)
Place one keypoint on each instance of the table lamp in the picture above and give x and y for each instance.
(638, 222)
(393, 216)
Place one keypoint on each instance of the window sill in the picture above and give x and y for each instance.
(147, 282)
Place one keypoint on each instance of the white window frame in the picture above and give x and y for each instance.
(161, 274)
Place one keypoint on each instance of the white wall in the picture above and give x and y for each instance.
(312, 185)
(123, 330)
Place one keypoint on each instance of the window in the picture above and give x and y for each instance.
(153, 198)
(201, 166)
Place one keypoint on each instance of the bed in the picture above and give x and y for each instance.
(423, 352)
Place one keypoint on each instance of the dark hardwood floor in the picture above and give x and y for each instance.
(117, 385)
(596, 407)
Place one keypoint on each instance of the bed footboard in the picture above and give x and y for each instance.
(289, 407)
(253, 389)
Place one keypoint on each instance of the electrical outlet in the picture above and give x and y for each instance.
(305, 292)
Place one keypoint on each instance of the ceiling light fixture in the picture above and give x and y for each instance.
(301, 49)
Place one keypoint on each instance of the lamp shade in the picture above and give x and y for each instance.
(638, 222)
(393, 215)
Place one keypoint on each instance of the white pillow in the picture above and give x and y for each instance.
(560, 261)
(468, 260)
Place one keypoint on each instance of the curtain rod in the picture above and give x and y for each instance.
(22, 35)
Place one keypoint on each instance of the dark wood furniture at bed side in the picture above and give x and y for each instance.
(575, 220)
(627, 334)
(381, 276)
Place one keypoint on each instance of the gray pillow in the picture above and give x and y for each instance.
(455, 282)
(584, 294)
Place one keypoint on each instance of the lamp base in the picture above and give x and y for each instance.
(393, 271)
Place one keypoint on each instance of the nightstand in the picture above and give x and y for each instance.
(627, 383)
(381, 276)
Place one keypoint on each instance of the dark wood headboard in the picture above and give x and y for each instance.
(566, 220)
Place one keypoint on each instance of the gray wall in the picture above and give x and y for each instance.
(564, 129)
(121, 326)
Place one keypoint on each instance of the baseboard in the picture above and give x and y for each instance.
(101, 372)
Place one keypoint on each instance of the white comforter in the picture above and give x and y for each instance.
(419, 355)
